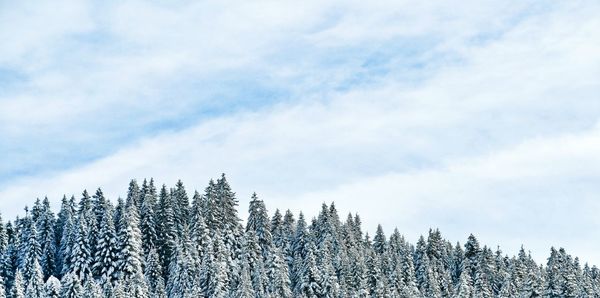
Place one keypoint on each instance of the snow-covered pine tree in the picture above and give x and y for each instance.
(31, 264)
(243, 288)
(199, 231)
(553, 285)
(375, 280)
(463, 289)
(219, 283)
(133, 194)
(259, 223)
(119, 290)
(184, 275)
(136, 286)
(2, 288)
(298, 251)
(35, 282)
(379, 242)
(9, 260)
(471, 258)
(309, 278)
(130, 245)
(409, 282)
(18, 289)
(65, 232)
(181, 208)
(231, 227)
(230, 221)
(106, 258)
(91, 289)
(81, 258)
(330, 285)
(87, 214)
(71, 286)
(148, 225)
(279, 280)
(277, 229)
(289, 228)
(47, 239)
(3, 237)
(252, 254)
(52, 288)
(154, 273)
(167, 232)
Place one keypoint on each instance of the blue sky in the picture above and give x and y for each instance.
(470, 116)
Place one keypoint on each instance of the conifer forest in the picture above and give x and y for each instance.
(162, 241)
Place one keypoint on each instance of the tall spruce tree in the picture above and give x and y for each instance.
(106, 256)
(259, 223)
(130, 246)
(166, 229)
(47, 239)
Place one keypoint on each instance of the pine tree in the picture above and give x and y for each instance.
(228, 203)
(256, 267)
(71, 287)
(35, 284)
(309, 279)
(47, 239)
(136, 286)
(52, 288)
(409, 284)
(81, 258)
(278, 276)
(329, 280)
(289, 228)
(2, 287)
(3, 237)
(277, 232)
(464, 288)
(200, 233)
(181, 206)
(65, 234)
(259, 223)
(183, 272)
(244, 287)
(231, 228)
(379, 242)
(31, 266)
(375, 281)
(18, 291)
(92, 290)
(553, 275)
(218, 284)
(154, 273)
(119, 290)
(133, 195)
(167, 232)
(9, 262)
(107, 249)
(148, 225)
(130, 246)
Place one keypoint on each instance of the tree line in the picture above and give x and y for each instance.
(160, 243)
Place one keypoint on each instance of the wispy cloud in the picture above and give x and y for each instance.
(475, 117)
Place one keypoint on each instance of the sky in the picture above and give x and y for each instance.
(475, 117)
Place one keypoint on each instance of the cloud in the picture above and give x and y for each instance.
(540, 193)
(479, 117)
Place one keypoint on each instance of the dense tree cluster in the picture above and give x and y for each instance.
(159, 243)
